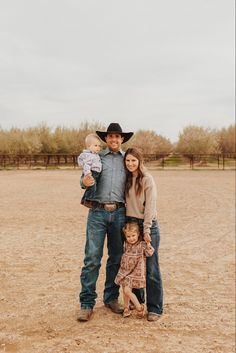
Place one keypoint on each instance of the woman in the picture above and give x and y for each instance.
(141, 198)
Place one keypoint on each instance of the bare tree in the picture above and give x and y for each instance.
(226, 139)
(197, 140)
(150, 143)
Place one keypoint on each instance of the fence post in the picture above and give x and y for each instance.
(191, 160)
(74, 161)
(163, 162)
(47, 161)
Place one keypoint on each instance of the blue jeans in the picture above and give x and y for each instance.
(90, 191)
(154, 289)
(99, 224)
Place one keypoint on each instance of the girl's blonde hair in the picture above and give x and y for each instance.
(132, 226)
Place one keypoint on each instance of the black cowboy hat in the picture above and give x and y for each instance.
(114, 128)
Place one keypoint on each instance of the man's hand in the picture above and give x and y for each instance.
(147, 238)
(88, 180)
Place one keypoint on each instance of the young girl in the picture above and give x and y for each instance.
(132, 272)
(141, 207)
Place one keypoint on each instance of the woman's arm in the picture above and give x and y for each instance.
(150, 195)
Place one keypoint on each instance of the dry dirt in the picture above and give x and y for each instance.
(42, 235)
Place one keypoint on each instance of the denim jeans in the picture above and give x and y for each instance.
(90, 191)
(154, 289)
(99, 224)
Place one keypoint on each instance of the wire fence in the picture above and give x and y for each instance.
(192, 161)
(155, 161)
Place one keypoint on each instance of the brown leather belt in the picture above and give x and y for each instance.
(110, 207)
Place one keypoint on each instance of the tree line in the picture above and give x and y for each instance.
(44, 140)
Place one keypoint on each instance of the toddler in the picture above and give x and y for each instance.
(90, 161)
(132, 272)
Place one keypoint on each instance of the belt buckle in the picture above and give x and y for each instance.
(110, 207)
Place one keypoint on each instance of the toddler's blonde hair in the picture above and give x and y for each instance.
(90, 138)
(131, 226)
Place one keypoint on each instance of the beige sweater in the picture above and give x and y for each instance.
(144, 205)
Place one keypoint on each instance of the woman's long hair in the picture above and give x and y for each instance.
(141, 170)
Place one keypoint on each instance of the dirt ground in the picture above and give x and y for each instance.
(42, 236)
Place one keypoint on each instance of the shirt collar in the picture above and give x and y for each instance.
(108, 151)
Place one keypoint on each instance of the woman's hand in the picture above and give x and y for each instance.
(147, 238)
(88, 180)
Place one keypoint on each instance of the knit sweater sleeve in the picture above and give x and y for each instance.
(150, 196)
(148, 249)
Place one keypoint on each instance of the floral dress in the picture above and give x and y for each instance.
(132, 271)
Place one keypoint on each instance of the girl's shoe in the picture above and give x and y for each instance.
(126, 312)
(141, 312)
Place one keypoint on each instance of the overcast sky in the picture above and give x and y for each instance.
(148, 64)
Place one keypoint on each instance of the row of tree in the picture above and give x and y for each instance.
(42, 139)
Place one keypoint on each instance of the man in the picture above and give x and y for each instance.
(106, 217)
